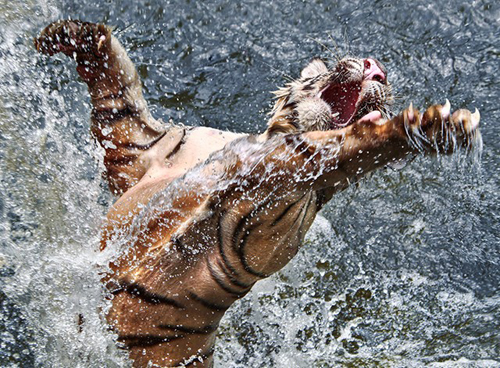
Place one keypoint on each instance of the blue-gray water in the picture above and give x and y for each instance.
(401, 271)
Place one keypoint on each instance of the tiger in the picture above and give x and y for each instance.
(202, 214)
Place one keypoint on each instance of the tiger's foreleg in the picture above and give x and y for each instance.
(351, 153)
(292, 177)
(120, 118)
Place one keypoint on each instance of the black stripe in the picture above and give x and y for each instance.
(241, 223)
(178, 146)
(240, 248)
(182, 248)
(113, 115)
(232, 279)
(207, 304)
(221, 283)
(191, 330)
(145, 340)
(241, 255)
(148, 296)
(227, 264)
(283, 214)
(146, 146)
(239, 229)
(308, 87)
(178, 243)
(110, 96)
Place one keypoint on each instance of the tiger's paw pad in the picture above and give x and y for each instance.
(73, 36)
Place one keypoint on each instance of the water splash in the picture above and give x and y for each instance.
(51, 297)
(401, 271)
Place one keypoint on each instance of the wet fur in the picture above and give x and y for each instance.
(298, 109)
(194, 239)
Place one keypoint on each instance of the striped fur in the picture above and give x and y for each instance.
(195, 246)
(121, 121)
(298, 109)
(200, 265)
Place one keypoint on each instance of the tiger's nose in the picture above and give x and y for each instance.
(373, 71)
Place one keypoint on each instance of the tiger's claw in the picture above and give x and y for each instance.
(445, 131)
(467, 121)
(437, 129)
(475, 119)
(445, 110)
(412, 118)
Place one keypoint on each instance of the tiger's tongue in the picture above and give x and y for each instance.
(371, 117)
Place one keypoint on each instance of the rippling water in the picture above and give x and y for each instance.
(401, 271)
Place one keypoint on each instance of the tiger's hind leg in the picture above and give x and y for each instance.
(120, 118)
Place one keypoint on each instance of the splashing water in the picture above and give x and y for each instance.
(52, 205)
(400, 271)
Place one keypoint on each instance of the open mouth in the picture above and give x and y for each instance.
(343, 100)
(347, 105)
(346, 100)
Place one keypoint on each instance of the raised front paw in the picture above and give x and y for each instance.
(73, 36)
(439, 130)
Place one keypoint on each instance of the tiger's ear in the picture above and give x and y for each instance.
(314, 68)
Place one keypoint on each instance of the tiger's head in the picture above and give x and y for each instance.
(326, 99)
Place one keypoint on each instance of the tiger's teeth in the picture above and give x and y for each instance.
(445, 110)
(335, 115)
(474, 119)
